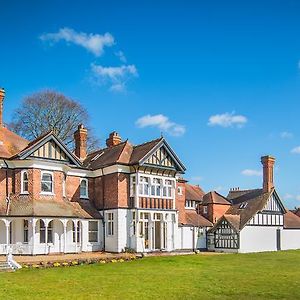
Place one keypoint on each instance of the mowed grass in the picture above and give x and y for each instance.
(230, 276)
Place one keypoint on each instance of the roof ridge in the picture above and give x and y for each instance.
(106, 148)
(161, 138)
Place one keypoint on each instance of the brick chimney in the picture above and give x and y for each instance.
(113, 139)
(268, 173)
(2, 95)
(80, 137)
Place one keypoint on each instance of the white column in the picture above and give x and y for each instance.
(33, 236)
(7, 223)
(46, 236)
(64, 222)
(137, 179)
(75, 226)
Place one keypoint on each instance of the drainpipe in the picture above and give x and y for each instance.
(6, 187)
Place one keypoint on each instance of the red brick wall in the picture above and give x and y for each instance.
(180, 202)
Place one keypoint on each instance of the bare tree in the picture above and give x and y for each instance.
(50, 110)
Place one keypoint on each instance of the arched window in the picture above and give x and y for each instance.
(84, 188)
(42, 232)
(78, 230)
(24, 182)
(47, 183)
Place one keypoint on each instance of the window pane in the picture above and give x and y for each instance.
(47, 177)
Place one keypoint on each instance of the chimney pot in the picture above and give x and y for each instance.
(113, 139)
(268, 172)
(80, 137)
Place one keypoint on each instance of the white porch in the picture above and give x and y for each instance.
(32, 236)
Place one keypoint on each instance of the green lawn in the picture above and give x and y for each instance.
(232, 276)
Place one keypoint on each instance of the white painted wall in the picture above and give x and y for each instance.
(118, 241)
(290, 239)
(258, 238)
(189, 237)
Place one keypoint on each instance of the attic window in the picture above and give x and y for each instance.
(243, 205)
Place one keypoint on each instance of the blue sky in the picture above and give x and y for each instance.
(220, 79)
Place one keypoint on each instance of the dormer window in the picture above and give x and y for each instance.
(24, 182)
(243, 205)
(84, 185)
(47, 183)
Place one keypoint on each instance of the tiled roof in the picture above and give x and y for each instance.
(108, 156)
(255, 199)
(214, 198)
(141, 150)
(49, 208)
(191, 218)
(193, 192)
(291, 220)
(10, 143)
(123, 153)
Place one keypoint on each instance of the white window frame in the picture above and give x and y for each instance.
(52, 176)
(110, 224)
(93, 231)
(180, 190)
(167, 191)
(132, 185)
(22, 182)
(190, 204)
(144, 185)
(205, 210)
(86, 196)
(25, 231)
(156, 184)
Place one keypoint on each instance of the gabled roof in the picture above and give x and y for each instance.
(10, 143)
(120, 153)
(214, 198)
(191, 218)
(233, 220)
(140, 151)
(255, 201)
(127, 154)
(193, 192)
(156, 144)
(43, 139)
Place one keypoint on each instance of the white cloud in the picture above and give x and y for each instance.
(290, 196)
(121, 56)
(249, 172)
(116, 77)
(296, 150)
(94, 43)
(219, 189)
(196, 178)
(162, 122)
(227, 120)
(286, 135)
